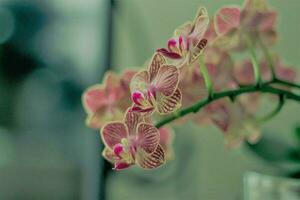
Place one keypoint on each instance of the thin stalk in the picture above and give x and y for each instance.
(275, 111)
(206, 76)
(256, 69)
(264, 88)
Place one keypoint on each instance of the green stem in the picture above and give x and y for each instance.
(286, 83)
(274, 112)
(206, 76)
(264, 88)
(256, 69)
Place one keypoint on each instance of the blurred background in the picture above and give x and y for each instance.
(50, 51)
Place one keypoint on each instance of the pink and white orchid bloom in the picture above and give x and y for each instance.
(236, 124)
(108, 101)
(156, 88)
(236, 25)
(132, 141)
(188, 41)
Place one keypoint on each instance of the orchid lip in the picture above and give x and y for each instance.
(118, 150)
(171, 43)
(137, 97)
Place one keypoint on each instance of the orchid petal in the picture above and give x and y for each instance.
(210, 33)
(148, 137)
(166, 138)
(200, 24)
(257, 5)
(166, 80)
(286, 73)
(139, 82)
(146, 111)
(196, 51)
(132, 119)
(220, 115)
(268, 21)
(184, 29)
(113, 132)
(126, 78)
(157, 61)
(93, 98)
(168, 53)
(121, 165)
(97, 119)
(112, 82)
(166, 105)
(151, 161)
(227, 18)
(108, 154)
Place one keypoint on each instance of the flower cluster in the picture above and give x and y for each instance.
(197, 62)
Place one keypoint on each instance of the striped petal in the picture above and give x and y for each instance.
(166, 105)
(157, 61)
(147, 137)
(197, 50)
(139, 82)
(168, 53)
(132, 119)
(166, 80)
(227, 18)
(112, 133)
(151, 161)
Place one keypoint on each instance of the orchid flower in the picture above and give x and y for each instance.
(188, 40)
(236, 124)
(236, 25)
(108, 101)
(156, 88)
(132, 141)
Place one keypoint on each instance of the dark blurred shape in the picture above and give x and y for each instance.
(49, 153)
(7, 24)
(279, 152)
(23, 21)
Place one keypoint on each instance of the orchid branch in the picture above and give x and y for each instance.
(276, 110)
(264, 88)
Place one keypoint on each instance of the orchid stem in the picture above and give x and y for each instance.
(286, 83)
(206, 76)
(264, 88)
(256, 69)
(275, 111)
